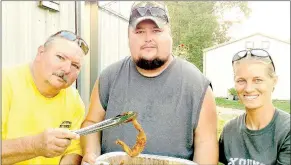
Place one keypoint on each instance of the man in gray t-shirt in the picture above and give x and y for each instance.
(172, 98)
(239, 145)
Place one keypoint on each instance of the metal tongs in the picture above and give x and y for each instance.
(112, 122)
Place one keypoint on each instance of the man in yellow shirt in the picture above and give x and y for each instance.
(39, 105)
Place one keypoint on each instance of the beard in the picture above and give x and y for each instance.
(150, 64)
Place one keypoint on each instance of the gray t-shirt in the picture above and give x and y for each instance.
(168, 106)
(239, 145)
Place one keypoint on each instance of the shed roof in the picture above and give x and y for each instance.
(230, 42)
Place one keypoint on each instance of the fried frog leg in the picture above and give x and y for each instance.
(140, 141)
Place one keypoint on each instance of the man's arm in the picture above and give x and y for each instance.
(91, 144)
(205, 142)
(50, 143)
(17, 150)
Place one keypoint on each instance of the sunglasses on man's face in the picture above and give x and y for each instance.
(73, 37)
(154, 11)
(253, 52)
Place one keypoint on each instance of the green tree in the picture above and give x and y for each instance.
(199, 25)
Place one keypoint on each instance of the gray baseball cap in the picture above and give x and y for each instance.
(149, 10)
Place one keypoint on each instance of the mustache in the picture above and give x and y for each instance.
(61, 75)
(148, 46)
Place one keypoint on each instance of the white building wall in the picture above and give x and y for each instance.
(280, 53)
(113, 37)
(105, 29)
(218, 67)
(26, 26)
(87, 13)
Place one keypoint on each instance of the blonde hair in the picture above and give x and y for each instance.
(264, 60)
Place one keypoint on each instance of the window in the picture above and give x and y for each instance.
(265, 45)
(249, 44)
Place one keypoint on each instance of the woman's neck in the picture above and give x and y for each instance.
(259, 118)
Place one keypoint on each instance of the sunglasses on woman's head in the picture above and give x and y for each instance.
(73, 37)
(253, 52)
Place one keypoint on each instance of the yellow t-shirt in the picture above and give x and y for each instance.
(26, 112)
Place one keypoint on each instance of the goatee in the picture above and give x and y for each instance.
(150, 64)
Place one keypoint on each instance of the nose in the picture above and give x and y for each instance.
(249, 87)
(148, 37)
(66, 67)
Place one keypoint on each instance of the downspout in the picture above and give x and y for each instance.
(76, 25)
(76, 31)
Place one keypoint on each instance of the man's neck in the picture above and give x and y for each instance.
(43, 88)
(155, 72)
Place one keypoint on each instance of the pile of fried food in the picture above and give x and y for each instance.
(140, 141)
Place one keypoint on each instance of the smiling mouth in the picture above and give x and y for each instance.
(251, 97)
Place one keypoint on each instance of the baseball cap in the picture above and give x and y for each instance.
(149, 10)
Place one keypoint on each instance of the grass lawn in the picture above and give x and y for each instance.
(221, 122)
(222, 102)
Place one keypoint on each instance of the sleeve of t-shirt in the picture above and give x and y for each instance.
(285, 151)
(78, 118)
(222, 157)
(6, 100)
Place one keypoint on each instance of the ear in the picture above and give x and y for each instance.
(40, 50)
(130, 30)
(275, 80)
(168, 27)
